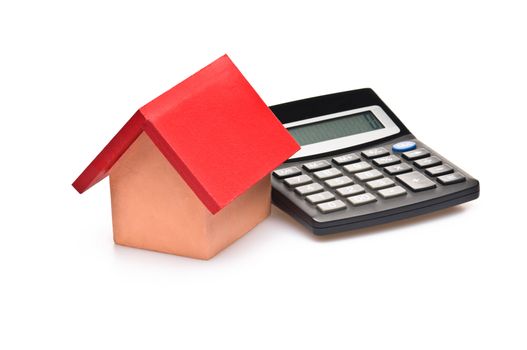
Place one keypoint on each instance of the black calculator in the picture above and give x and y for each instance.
(359, 166)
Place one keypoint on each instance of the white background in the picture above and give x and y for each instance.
(72, 74)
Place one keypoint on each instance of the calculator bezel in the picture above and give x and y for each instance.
(334, 103)
(337, 144)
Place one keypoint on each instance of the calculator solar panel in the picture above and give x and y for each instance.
(341, 180)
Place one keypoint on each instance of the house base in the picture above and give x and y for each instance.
(153, 208)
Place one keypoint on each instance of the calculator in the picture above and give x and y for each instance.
(359, 165)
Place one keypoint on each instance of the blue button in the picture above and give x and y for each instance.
(404, 146)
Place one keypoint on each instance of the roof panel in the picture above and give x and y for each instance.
(216, 132)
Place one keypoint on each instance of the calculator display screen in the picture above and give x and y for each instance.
(346, 125)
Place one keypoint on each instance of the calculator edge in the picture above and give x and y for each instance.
(384, 217)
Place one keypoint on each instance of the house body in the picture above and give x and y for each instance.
(189, 172)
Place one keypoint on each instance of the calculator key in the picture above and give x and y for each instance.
(416, 181)
(355, 168)
(439, 170)
(297, 180)
(387, 160)
(339, 182)
(350, 190)
(403, 146)
(392, 192)
(346, 159)
(380, 183)
(427, 162)
(327, 174)
(375, 152)
(398, 169)
(450, 179)
(309, 189)
(369, 175)
(329, 207)
(416, 154)
(320, 197)
(286, 172)
(361, 199)
(316, 165)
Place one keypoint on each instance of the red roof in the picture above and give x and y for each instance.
(213, 128)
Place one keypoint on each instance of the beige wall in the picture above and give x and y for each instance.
(153, 208)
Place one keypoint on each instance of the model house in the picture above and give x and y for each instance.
(189, 172)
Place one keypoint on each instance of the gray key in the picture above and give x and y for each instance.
(350, 190)
(297, 180)
(451, 179)
(427, 162)
(361, 199)
(416, 154)
(316, 165)
(439, 170)
(286, 172)
(416, 181)
(327, 174)
(369, 175)
(391, 192)
(380, 183)
(346, 159)
(320, 197)
(356, 167)
(375, 152)
(339, 182)
(398, 169)
(385, 161)
(329, 207)
(309, 189)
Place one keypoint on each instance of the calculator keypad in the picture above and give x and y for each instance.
(362, 199)
(427, 162)
(375, 152)
(346, 159)
(350, 190)
(309, 189)
(287, 172)
(327, 174)
(297, 180)
(339, 182)
(332, 206)
(451, 179)
(330, 185)
(392, 192)
(356, 167)
(320, 197)
(416, 154)
(369, 175)
(404, 146)
(398, 169)
(380, 183)
(386, 160)
(416, 181)
(316, 165)
(439, 170)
